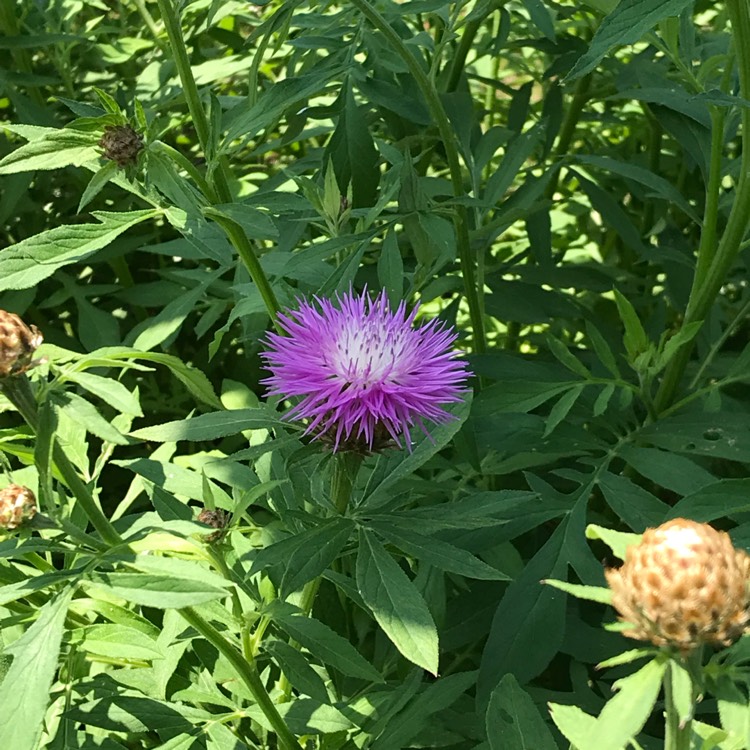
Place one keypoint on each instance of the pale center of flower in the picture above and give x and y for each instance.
(367, 354)
(683, 541)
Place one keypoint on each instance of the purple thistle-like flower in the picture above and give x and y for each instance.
(364, 371)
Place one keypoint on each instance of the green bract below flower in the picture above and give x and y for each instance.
(366, 374)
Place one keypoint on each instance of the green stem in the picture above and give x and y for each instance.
(218, 183)
(18, 391)
(713, 266)
(248, 673)
(345, 468)
(460, 216)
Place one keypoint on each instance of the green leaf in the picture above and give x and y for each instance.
(626, 24)
(513, 721)
(602, 349)
(32, 260)
(562, 408)
(297, 670)
(623, 717)
(86, 414)
(637, 507)
(718, 500)
(322, 642)
(316, 549)
(635, 339)
(25, 691)
(599, 594)
(119, 642)
(566, 358)
(305, 716)
(353, 153)
(395, 467)
(247, 121)
(97, 184)
(617, 541)
(155, 331)
(53, 150)
(677, 473)
(527, 630)
(110, 391)
(401, 729)
(519, 396)
(159, 591)
(396, 604)
(433, 551)
(662, 188)
(575, 724)
(391, 269)
(210, 426)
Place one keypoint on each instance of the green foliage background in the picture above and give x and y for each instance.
(568, 184)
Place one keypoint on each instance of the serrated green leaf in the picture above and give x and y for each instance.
(54, 150)
(396, 604)
(30, 261)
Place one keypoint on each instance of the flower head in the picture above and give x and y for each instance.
(17, 505)
(121, 144)
(365, 373)
(18, 342)
(682, 586)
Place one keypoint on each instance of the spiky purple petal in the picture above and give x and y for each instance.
(360, 367)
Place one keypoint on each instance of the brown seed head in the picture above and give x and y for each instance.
(121, 144)
(216, 519)
(18, 342)
(17, 505)
(682, 586)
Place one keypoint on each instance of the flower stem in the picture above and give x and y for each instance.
(344, 473)
(219, 178)
(713, 264)
(248, 674)
(447, 137)
(18, 391)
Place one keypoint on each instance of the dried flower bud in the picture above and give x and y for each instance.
(216, 519)
(18, 342)
(17, 505)
(121, 144)
(684, 585)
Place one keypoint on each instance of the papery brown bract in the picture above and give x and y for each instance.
(684, 585)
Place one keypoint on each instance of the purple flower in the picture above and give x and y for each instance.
(364, 371)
